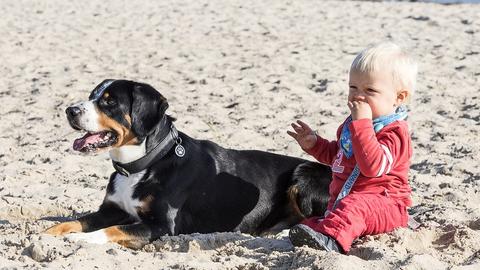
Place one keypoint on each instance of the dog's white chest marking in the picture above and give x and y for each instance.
(171, 215)
(123, 190)
(128, 153)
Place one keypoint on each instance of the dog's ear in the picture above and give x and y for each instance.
(148, 108)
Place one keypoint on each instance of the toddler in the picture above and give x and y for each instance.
(369, 192)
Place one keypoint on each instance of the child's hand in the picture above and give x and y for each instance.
(304, 135)
(360, 109)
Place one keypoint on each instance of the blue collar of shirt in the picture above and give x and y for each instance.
(378, 124)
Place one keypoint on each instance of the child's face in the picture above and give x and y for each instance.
(377, 89)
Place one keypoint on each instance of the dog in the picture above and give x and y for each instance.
(167, 183)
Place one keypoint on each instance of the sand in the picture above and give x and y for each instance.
(237, 73)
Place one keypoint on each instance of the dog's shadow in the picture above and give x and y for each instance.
(74, 216)
(57, 219)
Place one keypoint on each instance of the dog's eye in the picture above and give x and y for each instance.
(107, 101)
(111, 101)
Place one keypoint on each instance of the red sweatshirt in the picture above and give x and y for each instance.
(383, 160)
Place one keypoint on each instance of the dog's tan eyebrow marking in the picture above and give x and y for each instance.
(106, 95)
(99, 91)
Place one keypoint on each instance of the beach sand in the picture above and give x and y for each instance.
(237, 73)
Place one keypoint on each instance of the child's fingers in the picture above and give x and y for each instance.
(355, 104)
(292, 134)
(360, 102)
(300, 130)
(304, 126)
(350, 105)
(297, 129)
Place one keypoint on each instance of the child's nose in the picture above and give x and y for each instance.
(358, 95)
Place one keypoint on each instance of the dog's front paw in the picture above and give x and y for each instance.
(96, 237)
(64, 228)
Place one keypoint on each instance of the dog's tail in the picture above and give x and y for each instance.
(308, 195)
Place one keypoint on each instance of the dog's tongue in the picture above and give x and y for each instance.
(88, 138)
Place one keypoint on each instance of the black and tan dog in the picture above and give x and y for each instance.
(166, 183)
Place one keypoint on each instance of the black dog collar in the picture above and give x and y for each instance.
(158, 152)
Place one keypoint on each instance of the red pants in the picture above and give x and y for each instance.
(358, 215)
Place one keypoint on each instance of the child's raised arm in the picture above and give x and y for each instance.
(304, 135)
(321, 149)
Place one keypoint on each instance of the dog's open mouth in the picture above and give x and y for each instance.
(93, 141)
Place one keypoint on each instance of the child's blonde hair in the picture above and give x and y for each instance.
(388, 56)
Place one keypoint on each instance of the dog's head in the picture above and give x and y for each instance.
(117, 113)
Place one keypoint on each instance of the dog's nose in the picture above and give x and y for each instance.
(73, 111)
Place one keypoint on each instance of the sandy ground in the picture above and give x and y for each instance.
(235, 72)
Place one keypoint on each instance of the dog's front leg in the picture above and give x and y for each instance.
(133, 236)
(107, 215)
